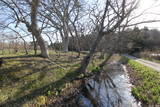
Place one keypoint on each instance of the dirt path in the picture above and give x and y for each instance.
(155, 66)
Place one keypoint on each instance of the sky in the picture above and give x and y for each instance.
(152, 12)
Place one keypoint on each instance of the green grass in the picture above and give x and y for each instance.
(153, 60)
(147, 84)
(32, 81)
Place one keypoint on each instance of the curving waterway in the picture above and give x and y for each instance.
(110, 89)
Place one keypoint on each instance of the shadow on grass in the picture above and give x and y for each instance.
(18, 102)
(21, 56)
(8, 72)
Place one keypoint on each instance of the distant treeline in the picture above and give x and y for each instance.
(128, 41)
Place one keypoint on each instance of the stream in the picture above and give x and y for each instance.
(107, 92)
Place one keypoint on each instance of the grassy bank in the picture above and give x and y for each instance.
(35, 81)
(146, 82)
(152, 59)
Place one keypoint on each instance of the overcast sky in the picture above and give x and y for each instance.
(152, 12)
(150, 8)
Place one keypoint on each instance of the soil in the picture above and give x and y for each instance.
(132, 74)
(68, 97)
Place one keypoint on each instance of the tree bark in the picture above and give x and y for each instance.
(25, 46)
(65, 43)
(65, 37)
(34, 29)
(41, 43)
(34, 46)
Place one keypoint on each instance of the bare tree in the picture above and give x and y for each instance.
(59, 13)
(115, 12)
(18, 36)
(26, 12)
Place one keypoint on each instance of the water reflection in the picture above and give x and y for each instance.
(106, 94)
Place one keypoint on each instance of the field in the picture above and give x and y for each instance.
(35, 81)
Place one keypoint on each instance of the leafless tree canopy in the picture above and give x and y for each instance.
(70, 25)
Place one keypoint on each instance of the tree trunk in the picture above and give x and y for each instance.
(34, 46)
(87, 59)
(3, 47)
(79, 54)
(35, 30)
(25, 46)
(104, 62)
(65, 37)
(42, 45)
(77, 41)
(65, 43)
(9, 49)
(51, 42)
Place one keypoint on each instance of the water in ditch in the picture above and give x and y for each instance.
(107, 94)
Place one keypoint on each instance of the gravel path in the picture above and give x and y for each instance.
(150, 64)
